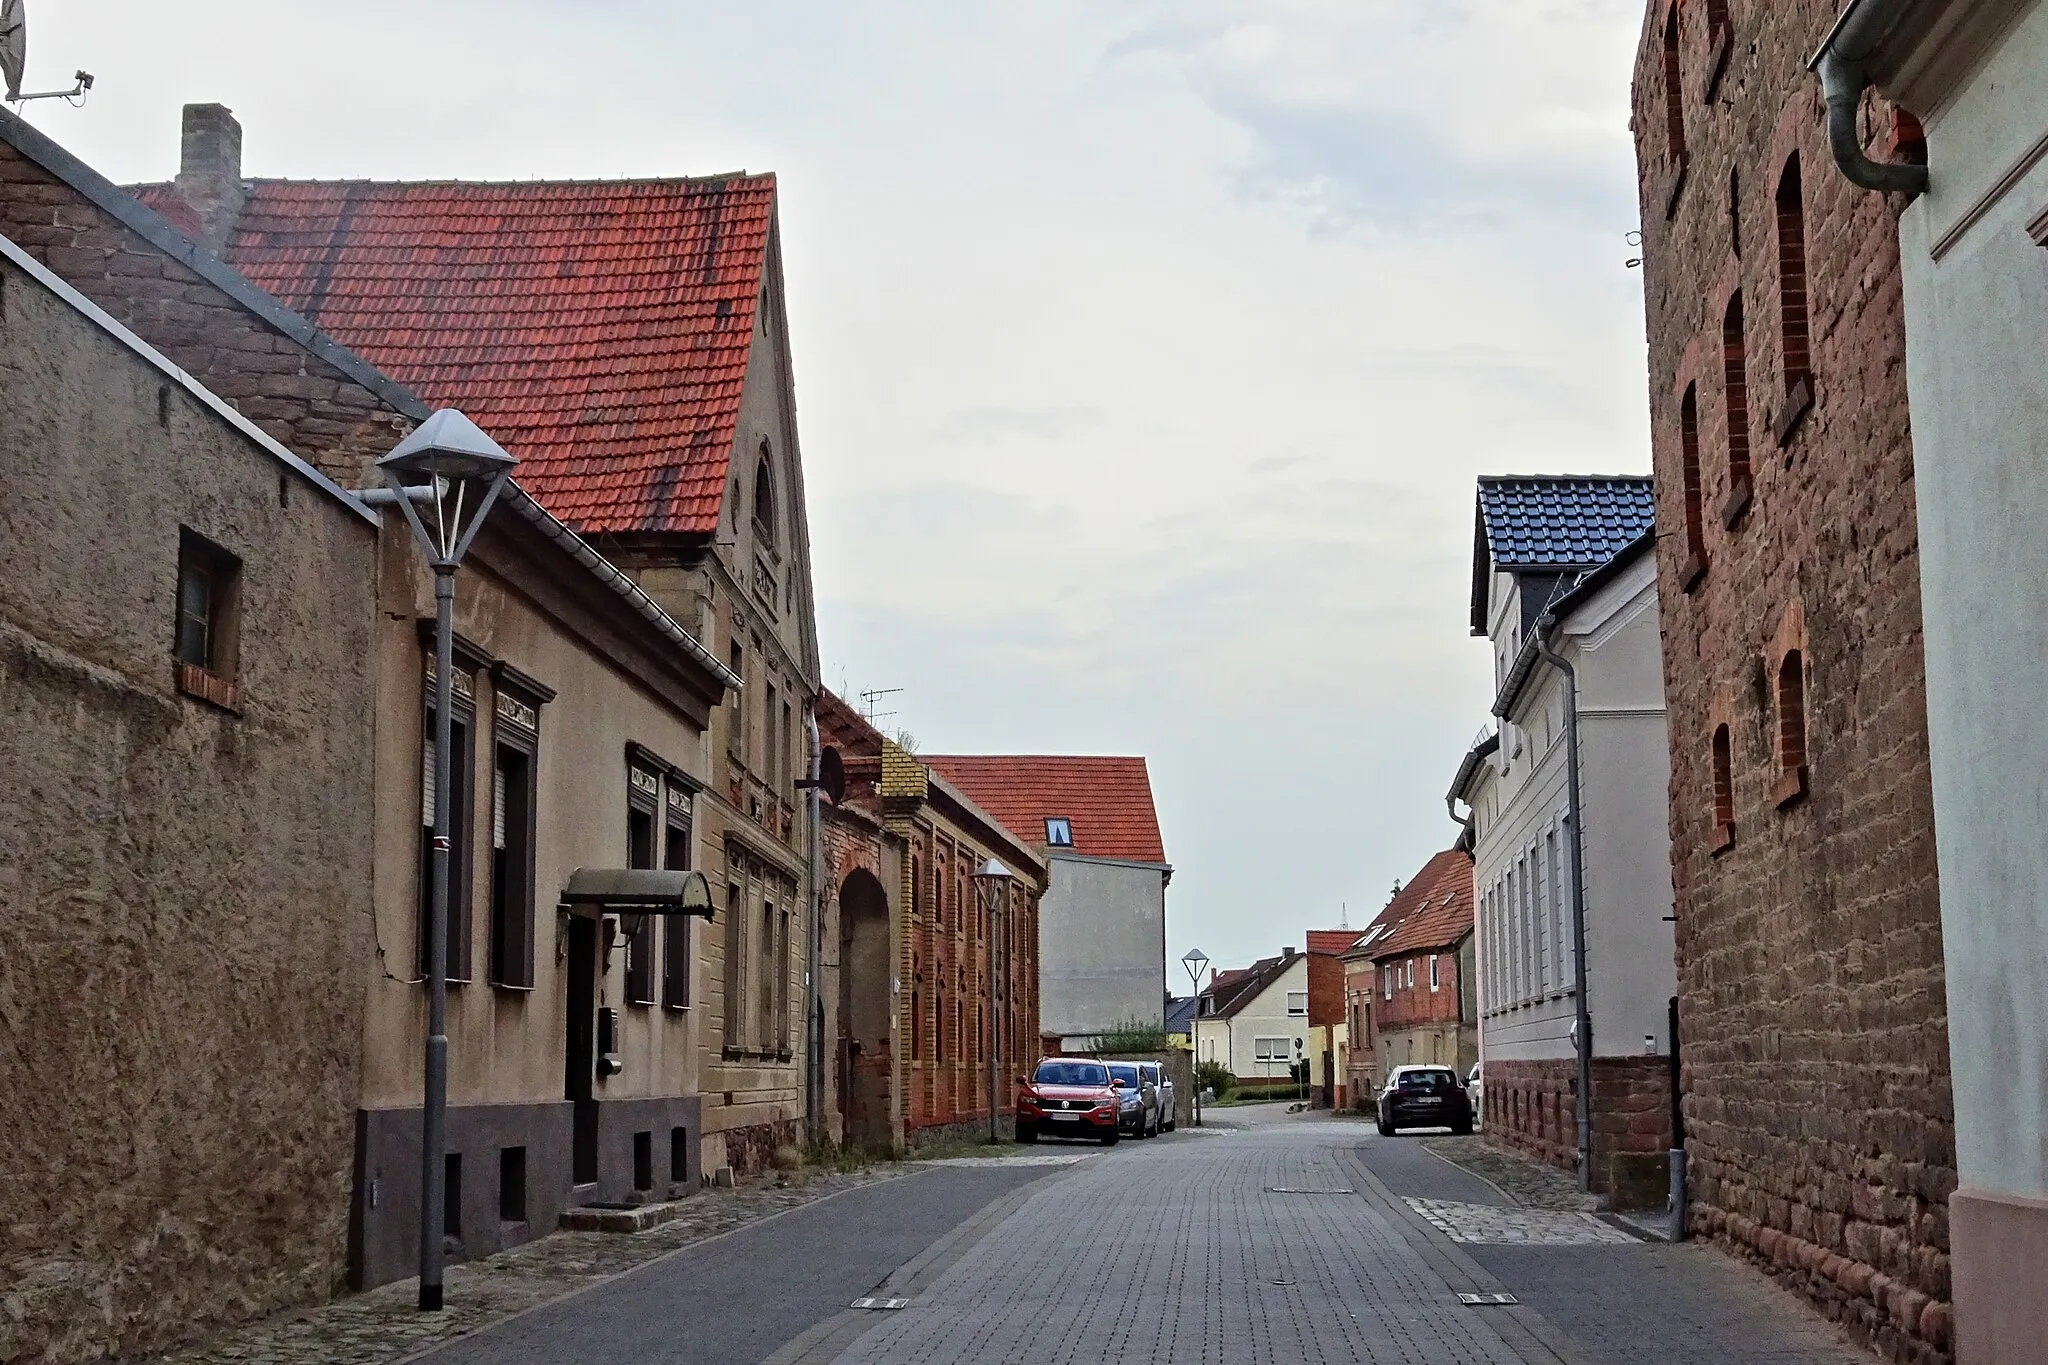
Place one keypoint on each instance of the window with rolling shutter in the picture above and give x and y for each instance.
(460, 810)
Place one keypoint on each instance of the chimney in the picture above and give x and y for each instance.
(210, 171)
(1287, 954)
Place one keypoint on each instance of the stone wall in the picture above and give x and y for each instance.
(1532, 1107)
(185, 883)
(1808, 937)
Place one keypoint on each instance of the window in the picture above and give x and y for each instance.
(1433, 979)
(1059, 832)
(1735, 373)
(1539, 895)
(1724, 791)
(781, 967)
(1408, 974)
(209, 586)
(461, 718)
(1297, 1002)
(1560, 925)
(1270, 1049)
(1674, 94)
(771, 762)
(1689, 470)
(511, 1184)
(1791, 728)
(764, 946)
(732, 1006)
(1386, 983)
(513, 836)
(1792, 301)
(787, 761)
(676, 955)
(643, 800)
(736, 713)
(1735, 212)
(764, 498)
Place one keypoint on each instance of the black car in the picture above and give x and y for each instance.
(1424, 1097)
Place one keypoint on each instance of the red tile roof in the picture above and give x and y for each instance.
(1332, 940)
(600, 330)
(1107, 801)
(1434, 910)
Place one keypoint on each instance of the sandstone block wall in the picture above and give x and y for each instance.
(1808, 937)
(1532, 1107)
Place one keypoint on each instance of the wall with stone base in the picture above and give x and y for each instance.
(1532, 1108)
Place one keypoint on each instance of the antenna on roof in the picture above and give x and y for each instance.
(14, 60)
(868, 700)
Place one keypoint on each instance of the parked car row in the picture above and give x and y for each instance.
(1086, 1097)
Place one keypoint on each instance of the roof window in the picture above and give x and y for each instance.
(1059, 831)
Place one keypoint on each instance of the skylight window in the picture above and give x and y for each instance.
(1059, 832)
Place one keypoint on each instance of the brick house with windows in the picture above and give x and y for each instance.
(1565, 565)
(1809, 940)
(933, 997)
(1411, 984)
(678, 453)
(582, 709)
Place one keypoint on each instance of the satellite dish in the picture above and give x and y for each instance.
(14, 59)
(13, 45)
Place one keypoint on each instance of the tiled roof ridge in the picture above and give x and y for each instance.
(568, 182)
(1566, 478)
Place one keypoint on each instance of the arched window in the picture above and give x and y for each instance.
(1724, 790)
(1735, 370)
(1689, 467)
(764, 497)
(1674, 94)
(1792, 309)
(1791, 697)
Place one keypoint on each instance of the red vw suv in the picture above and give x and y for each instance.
(1067, 1097)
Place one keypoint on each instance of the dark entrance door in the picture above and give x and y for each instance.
(580, 1063)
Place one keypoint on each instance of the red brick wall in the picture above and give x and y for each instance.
(1418, 1004)
(1325, 990)
(309, 406)
(1809, 950)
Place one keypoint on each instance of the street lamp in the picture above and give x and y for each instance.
(445, 476)
(992, 884)
(1195, 960)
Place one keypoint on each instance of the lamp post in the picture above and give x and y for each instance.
(1195, 960)
(992, 885)
(445, 476)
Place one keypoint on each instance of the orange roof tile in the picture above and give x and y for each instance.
(1434, 910)
(600, 330)
(1333, 940)
(1107, 801)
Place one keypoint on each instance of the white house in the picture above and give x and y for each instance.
(1974, 256)
(1255, 1020)
(1565, 565)
(1102, 921)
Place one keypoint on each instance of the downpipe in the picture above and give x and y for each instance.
(814, 1003)
(1839, 64)
(1582, 1022)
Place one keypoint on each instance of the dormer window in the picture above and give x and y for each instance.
(764, 498)
(1059, 832)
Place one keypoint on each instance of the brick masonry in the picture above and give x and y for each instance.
(1817, 1103)
(1531, 1108)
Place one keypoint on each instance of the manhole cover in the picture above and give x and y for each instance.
(880, 1304)
(1487, 1300)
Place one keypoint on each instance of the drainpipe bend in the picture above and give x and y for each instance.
(1839, 64)
(1582, 1022)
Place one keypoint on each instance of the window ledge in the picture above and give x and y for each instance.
(512, 989)
(1723, 839)
(1717, 61)
(1798, 402)
(1692, 571)
(1790, 788)
(210, 688)
(1739, 498)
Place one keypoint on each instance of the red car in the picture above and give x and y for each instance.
(1067, 1097)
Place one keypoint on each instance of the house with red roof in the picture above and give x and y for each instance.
(628, 341)
(1102, 923)
(1415, 962)
(1254, 1020)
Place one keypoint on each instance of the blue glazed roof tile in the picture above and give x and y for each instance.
(1531, 521)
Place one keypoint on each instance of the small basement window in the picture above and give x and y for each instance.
(1059, 832)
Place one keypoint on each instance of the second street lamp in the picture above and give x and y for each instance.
(445, 476)
(992, 885)
(1195, 960)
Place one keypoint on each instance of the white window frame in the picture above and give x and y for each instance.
(1261, 1050)
(1433, 982)
(1294, 1013)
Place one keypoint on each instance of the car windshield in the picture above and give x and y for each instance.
(1126, 1073)
(1071, 1073)
(1425, 1080)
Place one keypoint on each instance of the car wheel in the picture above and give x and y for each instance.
(1109, 1139)
(1386, 1129)
(1026, 1133)
(1170, 1126)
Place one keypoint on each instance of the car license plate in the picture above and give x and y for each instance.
(1428, 1099)
(1064, 1118)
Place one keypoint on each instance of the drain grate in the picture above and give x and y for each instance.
(1487, 1300)
(1288, 1189)
(880, 1304)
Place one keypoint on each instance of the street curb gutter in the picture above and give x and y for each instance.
(1524, 1330)
(826, 1341)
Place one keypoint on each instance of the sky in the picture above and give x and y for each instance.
(1146, 350)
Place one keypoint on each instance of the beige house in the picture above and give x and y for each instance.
(185, 673)
(627, 341)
